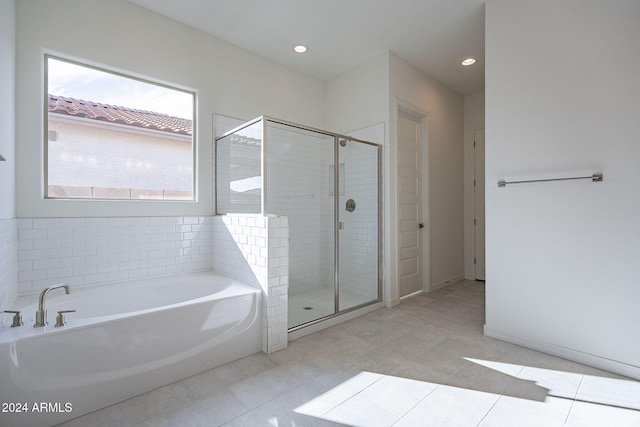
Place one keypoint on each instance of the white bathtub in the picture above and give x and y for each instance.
(123, 340)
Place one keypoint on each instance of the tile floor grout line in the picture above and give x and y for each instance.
(573, 401)
(579, 387)
(416, 405)
(382, 407)
(354, 395)
(454, 373)
(268, 401)
(596, 403)
(490, 409)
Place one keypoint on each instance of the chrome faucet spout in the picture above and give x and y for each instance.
(41, 313)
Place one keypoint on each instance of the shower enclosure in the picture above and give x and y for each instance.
(329, 187)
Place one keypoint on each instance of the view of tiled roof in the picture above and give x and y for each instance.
(121, 115)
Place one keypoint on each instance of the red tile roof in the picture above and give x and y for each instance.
(122, 115)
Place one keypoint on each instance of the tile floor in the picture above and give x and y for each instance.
(423, 363)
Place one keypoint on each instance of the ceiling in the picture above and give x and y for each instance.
(433, 35)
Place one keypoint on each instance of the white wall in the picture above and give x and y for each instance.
(367, 95)
(445, 114)
(7, 108)
(8, 225)
(562, 98)
(121, 36)
(473, 119)
(357, 99)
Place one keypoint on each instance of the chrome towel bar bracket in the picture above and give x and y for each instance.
(596, 177)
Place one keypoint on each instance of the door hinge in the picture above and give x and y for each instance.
(474, 182)
(474, 144)
(474, 221)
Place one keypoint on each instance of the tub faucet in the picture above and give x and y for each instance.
(41, 313)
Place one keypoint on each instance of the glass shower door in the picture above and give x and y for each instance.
(358, 224)
(300, 186)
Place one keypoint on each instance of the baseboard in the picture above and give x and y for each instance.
(447, 282)
(420, 292)
(616, 367)
(392, 303)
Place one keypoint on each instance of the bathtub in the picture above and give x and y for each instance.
(124, 339)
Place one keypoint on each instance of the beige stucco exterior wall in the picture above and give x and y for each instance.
(88, 153)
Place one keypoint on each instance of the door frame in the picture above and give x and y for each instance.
(469, 195)
(425, 259)
(476, 224)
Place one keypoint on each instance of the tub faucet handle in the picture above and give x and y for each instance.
(17, 318)
(60, 318)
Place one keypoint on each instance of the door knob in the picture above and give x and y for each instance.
(421, 225)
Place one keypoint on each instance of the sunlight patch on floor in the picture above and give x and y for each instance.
(373, 399)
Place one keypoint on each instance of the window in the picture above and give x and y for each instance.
(109, 136)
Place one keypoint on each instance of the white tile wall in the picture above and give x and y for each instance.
(299, 187)
(255, 249)
(8, 265)
(277, 302)
(94, 251)
(235, 249)
(359, 238)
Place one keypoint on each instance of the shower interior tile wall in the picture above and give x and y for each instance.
(94, 251)
(298, 187)
(8, 264)
(359, 237)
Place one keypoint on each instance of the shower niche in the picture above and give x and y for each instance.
(329, 187)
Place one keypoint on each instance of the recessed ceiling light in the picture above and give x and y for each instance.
(300, 49)
(468, 61)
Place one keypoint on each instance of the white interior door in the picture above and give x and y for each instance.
(479, 204)
(409, 204)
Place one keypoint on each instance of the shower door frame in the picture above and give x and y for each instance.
(336, 183)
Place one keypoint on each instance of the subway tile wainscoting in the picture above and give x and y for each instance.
(8, 263)
(98, 251)
(94, 251)
(254, 249)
